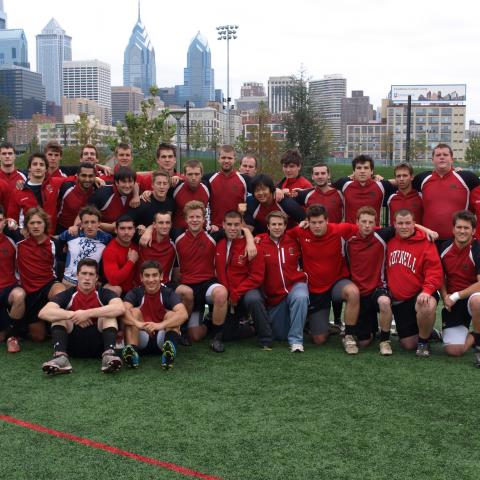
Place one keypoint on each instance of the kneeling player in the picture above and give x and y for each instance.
(153, 317)
(461, 288)
(84, 322)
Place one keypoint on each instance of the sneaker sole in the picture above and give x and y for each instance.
(168, 361)
(127, 359)
(52, 370)
(113, 366)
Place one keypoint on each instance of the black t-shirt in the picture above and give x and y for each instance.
(143, 215)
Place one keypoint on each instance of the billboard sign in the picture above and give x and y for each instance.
(433, 93)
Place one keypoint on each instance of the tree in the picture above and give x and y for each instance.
(387, 147)
(85, 130)
(4, 121)
(418, 148)
(144, 131)
(306, 129)
(472, 154)
(198, 140)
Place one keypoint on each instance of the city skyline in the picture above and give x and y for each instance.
(373, 46)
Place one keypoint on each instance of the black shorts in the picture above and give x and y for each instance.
(367, 318)
(85, 342)
(35, 301)
(322, 301)
(406, 316)
(200, 292)
(4, 306)
(458, 315)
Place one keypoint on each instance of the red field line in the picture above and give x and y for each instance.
(107, 448)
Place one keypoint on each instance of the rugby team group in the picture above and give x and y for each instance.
(114, 264)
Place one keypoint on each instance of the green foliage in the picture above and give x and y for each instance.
(306, 129)
(418, 148)
(198, 139)
(85, 130)
(144, 131)
(472, 154)
(4, 121)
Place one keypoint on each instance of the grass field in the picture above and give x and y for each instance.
(247, 414)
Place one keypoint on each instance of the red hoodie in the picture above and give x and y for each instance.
(413, 266)
(237, 274)
(282, 269)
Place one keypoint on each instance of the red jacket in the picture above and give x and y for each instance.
(282, 269)
(413, 266)
(237, 274)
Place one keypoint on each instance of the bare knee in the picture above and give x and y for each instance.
(17, 296)
(350, 293)
(219, 296)
(320, 339)
(384, 304)
(195, 334)
(409, 343)
(454, 350)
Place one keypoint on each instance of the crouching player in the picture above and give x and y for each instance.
(153, 317)
(461, 288)
(84, 322)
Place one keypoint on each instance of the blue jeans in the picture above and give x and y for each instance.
(289, 316)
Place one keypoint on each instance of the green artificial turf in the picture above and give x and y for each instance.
(247, 414)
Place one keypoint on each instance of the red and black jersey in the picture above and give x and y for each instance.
(282, 266)
(118, 269)
(12, 178)
(110, 202)
(366, 259)
(196, 257)
(235, 271)
(74, 299)
(413, 266)
(153, 306)
(291, 183)
(443, 196)
(323, 257)
(36, 263)
(71, 198)
(226, 192)
(332, 200)
(461, 265)
(257, 212)
(411, 201)
(8, 253)
(64, 171)
(5, 193)
(22, 200)
(163, 252)
(475, 207)
(356, 195)
(183, 194)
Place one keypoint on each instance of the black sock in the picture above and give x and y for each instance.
(422, 340)
(108, 335)
(384, 336)
(14, 326)
(476, 337)
(350, 329)
(174, 337)
(59, 338)
(217, 330)
(337, 312)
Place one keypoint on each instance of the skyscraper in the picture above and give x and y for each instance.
(124, 100)
(279, 97)
(3, 17)
(14, 48)
(326, 96)
(198, 81)
(139, 69)
(53, 48)
(89, 79)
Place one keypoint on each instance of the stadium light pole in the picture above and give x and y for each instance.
(227, 32)
(177, 115)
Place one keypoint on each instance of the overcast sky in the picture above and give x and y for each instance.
(373, 43)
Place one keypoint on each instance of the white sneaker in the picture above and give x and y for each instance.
(350, 345)
(296, 347)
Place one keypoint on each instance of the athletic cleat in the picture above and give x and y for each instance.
(110, 362)
(130, 356)
(436, 336)
(217, 345)
(476, 358)
(266, 348)
(58, 364)
(423, 350)
(335, 329)
(13, 345)
(385, 348)
(350, 345)
(296, 348)
(169, 352)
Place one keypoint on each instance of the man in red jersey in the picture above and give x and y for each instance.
(8, 172)
(120, 257)
(153, 318)
(291, 165)
(196, 258)
(84, 322)
(36, 192)
(406, 196)
(363, 190)
(161, 248)
(414, 274)
(12, 297)
(461, 288)
(53, 152)
(227, 187)
(190, 189)
(323, 193)
(284, 285)
(444, 191)
(324, 263)
(36, 267)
